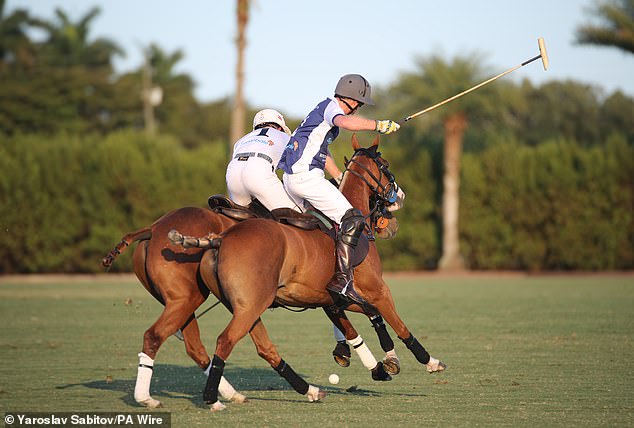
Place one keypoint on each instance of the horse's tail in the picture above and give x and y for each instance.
(211, 241)
(137, 235)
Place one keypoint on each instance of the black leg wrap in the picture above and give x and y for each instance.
(387, 344)
(298, 384)
(210, 395)
(417, 349)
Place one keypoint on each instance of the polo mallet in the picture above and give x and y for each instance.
(542, 54)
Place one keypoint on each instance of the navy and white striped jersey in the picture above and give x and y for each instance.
(308, 147)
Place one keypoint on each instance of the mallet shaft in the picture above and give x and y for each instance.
(542, 54)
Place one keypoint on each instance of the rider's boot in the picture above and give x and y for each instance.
(341, 284)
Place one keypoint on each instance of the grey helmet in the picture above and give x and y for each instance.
(354, 86)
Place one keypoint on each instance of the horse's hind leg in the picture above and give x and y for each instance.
(266, 349)
(241, 324)
(174, 316)
(197, 352)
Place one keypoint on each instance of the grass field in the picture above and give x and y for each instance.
(521, 351)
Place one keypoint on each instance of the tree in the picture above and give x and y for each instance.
(435, 80)
(616, 28)
(16, 50)
(238, 113)
(67, 43)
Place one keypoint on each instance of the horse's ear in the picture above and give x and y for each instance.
(355, 143)
(376, 141)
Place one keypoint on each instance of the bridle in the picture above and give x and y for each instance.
(382, 194)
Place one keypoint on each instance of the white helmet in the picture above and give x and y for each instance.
(268, 115)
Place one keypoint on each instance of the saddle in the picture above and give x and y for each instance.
(225, 206)
(311, 220)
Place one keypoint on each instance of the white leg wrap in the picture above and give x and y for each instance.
(313, 393)
(143, 379)
(364, 353)
(217, 406)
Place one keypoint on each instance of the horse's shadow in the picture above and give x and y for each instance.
(172, 381)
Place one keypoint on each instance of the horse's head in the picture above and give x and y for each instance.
(370, 186)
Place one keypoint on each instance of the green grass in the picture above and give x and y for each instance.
(521, 351)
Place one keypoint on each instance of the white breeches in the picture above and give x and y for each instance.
(313, 187)
(255, 178)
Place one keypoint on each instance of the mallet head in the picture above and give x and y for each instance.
(542, 52)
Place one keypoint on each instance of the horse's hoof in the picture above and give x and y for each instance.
(315, 394)
(435, 366)
(379, 373)
(341, 354)
(217, 406)
(392, 365)
(238, 398)
(150, 403)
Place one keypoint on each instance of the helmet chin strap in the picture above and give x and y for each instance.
(352, 110)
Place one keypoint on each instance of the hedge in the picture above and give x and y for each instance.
(65, 201)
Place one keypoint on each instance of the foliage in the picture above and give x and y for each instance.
(546, 183)
(65, 200)
(616, 26)
(556, 206)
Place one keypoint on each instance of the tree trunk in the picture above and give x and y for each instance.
(238, 113)
(455, 126)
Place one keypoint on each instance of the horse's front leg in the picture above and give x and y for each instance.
(341, 321)
(267, 351)
(384, 303)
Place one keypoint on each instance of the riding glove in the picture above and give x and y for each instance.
(386, 126)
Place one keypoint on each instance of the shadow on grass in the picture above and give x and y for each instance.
(172, 381)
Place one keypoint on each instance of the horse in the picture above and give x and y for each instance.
(258, 263)
(171, 275)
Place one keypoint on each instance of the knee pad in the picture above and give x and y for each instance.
(352, 224)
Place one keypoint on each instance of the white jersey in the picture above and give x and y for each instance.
(267, 141)
(251, 171)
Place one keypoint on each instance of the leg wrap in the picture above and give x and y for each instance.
(364, 353)
(215, 373)
(143, 378)
(298, 384)
(417, 349)
(387, 344)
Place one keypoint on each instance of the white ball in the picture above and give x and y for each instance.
(333, 378)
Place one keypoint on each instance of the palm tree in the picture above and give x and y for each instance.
(436, 80)
(616, 28)
(15, 46)
(67, 44)
(238, 113)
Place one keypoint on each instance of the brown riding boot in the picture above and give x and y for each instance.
(341, 284)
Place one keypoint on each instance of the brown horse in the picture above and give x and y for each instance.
(171, 275)
(258, 263)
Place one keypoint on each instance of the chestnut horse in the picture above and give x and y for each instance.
(257, 263)
(171, 275)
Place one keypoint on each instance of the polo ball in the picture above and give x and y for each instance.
(333, 378)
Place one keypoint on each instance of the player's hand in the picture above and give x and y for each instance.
(386, 126)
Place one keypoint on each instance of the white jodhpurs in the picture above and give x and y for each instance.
(255, 178)
(313, 187)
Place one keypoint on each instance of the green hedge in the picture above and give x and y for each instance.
(552, 207)
(65, 201)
